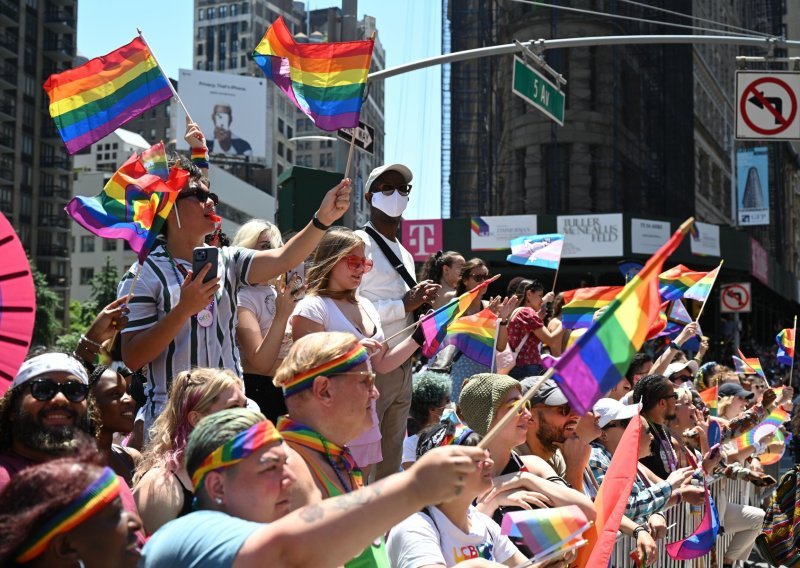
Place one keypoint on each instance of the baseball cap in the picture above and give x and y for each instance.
(734, 389)
(399, 168)
(679, 366)
(608, 409)
(548, 394)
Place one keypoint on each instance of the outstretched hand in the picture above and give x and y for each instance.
(335, 203)
(109, 321)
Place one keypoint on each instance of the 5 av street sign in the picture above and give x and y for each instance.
(531, 85)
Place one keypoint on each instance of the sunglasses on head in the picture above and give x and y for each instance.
(201, 194)
(355, 262)
(46, 389)
(389, 188)
(479, 277)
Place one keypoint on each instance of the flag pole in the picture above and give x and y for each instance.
(494, 346)
(794, 343)
(702, 307)
(127, 301)
(355, 128)
(558, 266)
(171, 87)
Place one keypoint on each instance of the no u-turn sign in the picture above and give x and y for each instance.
(766, 106)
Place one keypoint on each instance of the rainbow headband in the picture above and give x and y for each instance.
(236, 449)
(100, 493)
(341, 364)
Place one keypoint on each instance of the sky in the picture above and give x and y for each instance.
(409, 31)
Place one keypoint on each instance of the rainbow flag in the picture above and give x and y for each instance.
(709, 397)
(324, 80)
(770, 458)
(545, 530)
(474, 336)
(673, 283)
(154, 160)
(537, 250)
(581, 304)
(89, 102)
(748, 365)
(765, 428)
(785, 340)
(600, 357)
(702, 288)
(133, 205)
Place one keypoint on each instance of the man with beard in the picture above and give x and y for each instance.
(659, 404)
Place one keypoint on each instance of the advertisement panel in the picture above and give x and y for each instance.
(231, 111)
(759, 261)
(705, 239)
(752, 186)
(648, 235)
(494, 233)
(422, 237)
(591, 236)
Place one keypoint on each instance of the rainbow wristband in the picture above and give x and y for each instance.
(200, 157)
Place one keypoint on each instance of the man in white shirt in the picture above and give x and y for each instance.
(396, 296)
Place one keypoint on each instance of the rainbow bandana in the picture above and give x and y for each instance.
(94, 498)
(236, 449)
(341, 364)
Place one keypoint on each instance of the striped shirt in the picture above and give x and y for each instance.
(157, 292)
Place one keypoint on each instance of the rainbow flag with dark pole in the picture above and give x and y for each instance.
(474, 336)
(89, 102)
(674, 283)
(324, 80)
(600, 358)
(581, 304)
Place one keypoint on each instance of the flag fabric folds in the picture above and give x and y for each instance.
(785, 340)
(748, 365)
(537, 250)
(545, 530)
(600, 357)
(700, 542)
(674, 283)
(709, 397)
(581, 304)
(677, 318)
(89, 102)
(474, 336)
(702, 288)
(325, 81)
(154, 160)
(133, 206)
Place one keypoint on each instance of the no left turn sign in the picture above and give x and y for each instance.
(767, 106)
(735, 298)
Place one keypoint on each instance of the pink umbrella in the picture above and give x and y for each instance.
(17, 304)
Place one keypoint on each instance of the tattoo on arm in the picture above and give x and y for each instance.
(358, 498)
(312, 513)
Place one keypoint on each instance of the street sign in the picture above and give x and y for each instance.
(530, 85)
(365, 136)
(766, 106)
(735, 298)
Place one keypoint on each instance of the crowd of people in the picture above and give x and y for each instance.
(249, 416)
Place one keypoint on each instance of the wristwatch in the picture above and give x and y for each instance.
(673, 345)
(319, 224)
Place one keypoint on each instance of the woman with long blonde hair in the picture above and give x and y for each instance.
(162, 485)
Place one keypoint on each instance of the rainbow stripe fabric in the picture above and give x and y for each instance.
(545, 530)
(770, 458)
(94, 498)
(325, 81)
(700, 542)
(474, 336)
(702, 288)
(709, 397)
(154, 160)
(674, 282)
(581, 304)
(133, 206)
(235, 450)
(537, 250)
(765, 428)
(748, 365)
(785, 340)
(89, 102)
(302, 381)
(600, 357)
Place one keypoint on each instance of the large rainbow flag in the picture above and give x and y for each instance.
(785, 340)
(581, 304)
(133, 205)
(600, 358)
(545, 530)
(324, 80)
(702, 288)
(89, 102)
(537, 250)
(673, 283)
(474, 336)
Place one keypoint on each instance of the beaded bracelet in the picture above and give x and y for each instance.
(94, 344)
(200, 157)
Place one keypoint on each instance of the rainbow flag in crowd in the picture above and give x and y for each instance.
(702, 288)
(677, 317)
(545, 530)
(537, 250)
(600, 357)
(765, 428)
(435, 325)
(748, 365)
(769, 458)
(91, 101)
(133, 205)
(324, 80)
(474, 336)
(154, 160)
(709, 398)
(785, 340)
(673, 283)
(581, 304)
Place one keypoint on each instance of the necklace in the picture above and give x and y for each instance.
(204, 317)
(666, 449)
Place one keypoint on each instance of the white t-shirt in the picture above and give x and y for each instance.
(410, 449)
(421, 540)
(325, 312)
(260, 299)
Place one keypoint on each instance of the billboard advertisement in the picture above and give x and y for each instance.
(231, 111)
(752, 186)
(591, 236)
(495, 233)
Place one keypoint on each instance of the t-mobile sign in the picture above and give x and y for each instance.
(422, 237)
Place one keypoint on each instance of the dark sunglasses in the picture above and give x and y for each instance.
(388, 189)
(479, 277)
(355, 262)
(46, 389)
(673, 396)
(201, 194)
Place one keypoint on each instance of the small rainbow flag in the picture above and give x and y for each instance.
(770, 458)
(599, 358)
(537, 250)
(133, 205)
(325, 81)
(154, 160)
(545, 530)
(673, 283)
(785, 340)
(748, 365)
(702, 288)
(474, 336)
(709, 398)
(581, 304)
(89, 102)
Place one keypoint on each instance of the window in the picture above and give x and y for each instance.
(87, 244)
(200, 14)
(152, 133)
(221, 65)
(109, 244)
(280, 169)
(280, 149)
(233, 9)
(244, 7)
(234, 45)
(243, 43)
(243, 27)
(289, 155)
(199, 49)
(243, 61)
(166, 133)
(166, 110)
(87, 274)
(280, 125)
(289, 131)
(223, 11)
(114, 146)
(211, 13)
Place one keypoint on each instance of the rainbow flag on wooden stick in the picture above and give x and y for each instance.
(545, 530)
(89, 102)
(324, 80)
(674, 283)
(702, 288)
(474, 336)
(581, 304)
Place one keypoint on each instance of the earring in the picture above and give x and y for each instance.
(218, 500)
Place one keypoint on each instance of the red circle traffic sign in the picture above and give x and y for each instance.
(785, 121)
(731, 301)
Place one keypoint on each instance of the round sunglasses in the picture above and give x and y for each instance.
(355, 262)
(46, 389)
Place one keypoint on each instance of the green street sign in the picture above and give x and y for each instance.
(531, 85)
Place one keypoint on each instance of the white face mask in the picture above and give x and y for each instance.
(393, 206)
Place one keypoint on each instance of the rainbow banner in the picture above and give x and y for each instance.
(785, 341)
(474, 336)
(537, 250)
(545, 530)
(325, 81)
(89, 102)
(581, 304)
(702, 288)
(673, 283)
(600, 358)
(133, 205)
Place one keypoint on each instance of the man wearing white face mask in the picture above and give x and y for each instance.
(391, 287)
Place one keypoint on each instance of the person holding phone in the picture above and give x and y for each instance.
(178, 319)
